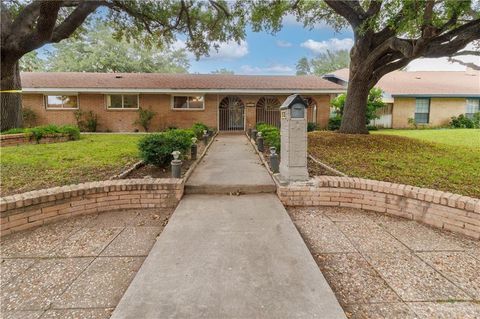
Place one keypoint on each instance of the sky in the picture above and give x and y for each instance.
(264, 53)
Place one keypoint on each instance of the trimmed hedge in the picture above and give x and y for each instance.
(271, 135)
(39, 132)
(156, 149)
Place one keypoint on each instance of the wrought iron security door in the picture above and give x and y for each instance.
(231, 114)
(268, 110)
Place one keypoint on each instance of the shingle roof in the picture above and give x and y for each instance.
(79, 80)
(445, 83)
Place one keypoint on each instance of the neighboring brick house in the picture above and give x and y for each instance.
(429, 97)
(226, 102)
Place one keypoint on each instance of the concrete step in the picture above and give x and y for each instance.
(229, 189)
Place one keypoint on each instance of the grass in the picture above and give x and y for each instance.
(404, 160)
(93, 157)
(454, 137)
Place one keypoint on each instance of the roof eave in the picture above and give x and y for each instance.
(177, 91)
(444, 95)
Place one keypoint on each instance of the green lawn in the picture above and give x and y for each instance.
(93, 157)
(454, 137)
(415, 161)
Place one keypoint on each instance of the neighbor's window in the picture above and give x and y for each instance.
(473, 106)
(422, 110)
(122, 101)
(188, 102)
(61, 102)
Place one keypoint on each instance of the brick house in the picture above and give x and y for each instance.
(226, 102)
(429, 97)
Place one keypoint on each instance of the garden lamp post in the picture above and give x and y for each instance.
(176, 165)
(205, 137)
(260, 142)
(274, 160)
(193, 149)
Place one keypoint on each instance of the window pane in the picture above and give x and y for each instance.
(421, 118)
(54, 101)
(421, 105)
(179, 102)
(114, 101)
(130, 101)
(195, 102)
(70, 101)
(473, 105)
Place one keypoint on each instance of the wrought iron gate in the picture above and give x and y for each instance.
(231, 114)
(268, 110)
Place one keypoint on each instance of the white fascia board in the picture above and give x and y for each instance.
(177, 91)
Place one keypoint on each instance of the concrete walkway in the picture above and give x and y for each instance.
(230, 166)
(224, 256)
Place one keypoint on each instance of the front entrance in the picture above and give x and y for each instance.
(231, 114)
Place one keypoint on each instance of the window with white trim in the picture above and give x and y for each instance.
(61, 102)
(422, 110)
(473, 106)
(122, 101)
(188, 102)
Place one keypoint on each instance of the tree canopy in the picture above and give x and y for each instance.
(97, 51)
(323, 63)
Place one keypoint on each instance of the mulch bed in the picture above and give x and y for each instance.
(153, 171)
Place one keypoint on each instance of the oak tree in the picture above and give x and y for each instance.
(388, 35)
(29, 25)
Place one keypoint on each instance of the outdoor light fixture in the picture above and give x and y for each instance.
(176, 155)
(194, 140)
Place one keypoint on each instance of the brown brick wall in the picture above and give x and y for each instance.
(441, 110)
(122, 120)
(32, 209)
(443, 210)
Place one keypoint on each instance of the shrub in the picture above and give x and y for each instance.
(79, 114)
(464, 122)
(40, 131)
(476, 120)
(29, 117)
(334, 123)
(14, 131)
(145, 117)
(71, 131)
(198, 129)
(86, 121)
(91, 121)
(156, 149)
(312, 127)
(271, 135)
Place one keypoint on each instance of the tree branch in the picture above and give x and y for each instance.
(74, 20)
(350, 10)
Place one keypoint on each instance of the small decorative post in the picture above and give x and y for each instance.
(193, 149)
(205, 137)
(260, 142)
(274, 160)
(254, 134)
(176, 165)
(249, 132)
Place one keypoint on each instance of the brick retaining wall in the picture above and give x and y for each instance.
(32, 209)
(444, 210)
(27, 138)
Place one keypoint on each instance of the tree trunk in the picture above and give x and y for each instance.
(11, 102)
(354, 113)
